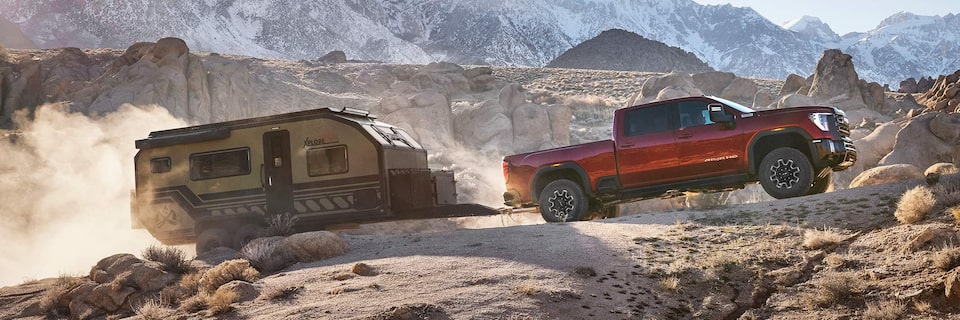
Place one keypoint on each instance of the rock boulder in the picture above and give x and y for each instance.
(886, 174)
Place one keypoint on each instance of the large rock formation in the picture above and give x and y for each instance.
(927, 139)
(943, 96)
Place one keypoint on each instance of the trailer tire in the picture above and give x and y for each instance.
(246, 233)
(563, 200)
(785, 173)
(211, 238)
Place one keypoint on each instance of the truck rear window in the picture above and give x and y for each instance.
(218, 164)
(649, 120)
(324, 161)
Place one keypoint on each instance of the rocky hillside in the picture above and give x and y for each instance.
(499, 32)
(617, 49)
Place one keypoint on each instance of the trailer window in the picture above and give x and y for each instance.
(218, 164)
(160, 165)
(324, 161)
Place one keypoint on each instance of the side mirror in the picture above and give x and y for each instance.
(719, 115)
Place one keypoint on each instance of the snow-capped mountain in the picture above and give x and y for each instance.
(508, 32)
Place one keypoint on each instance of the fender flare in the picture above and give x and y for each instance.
(751, 147)
(584, 178)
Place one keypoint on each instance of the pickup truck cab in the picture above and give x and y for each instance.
(664, 148)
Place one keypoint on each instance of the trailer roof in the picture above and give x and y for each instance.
(221, 130)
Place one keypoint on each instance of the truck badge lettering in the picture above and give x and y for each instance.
(718, 159)
(311, 142)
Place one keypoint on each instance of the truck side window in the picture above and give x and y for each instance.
(324, 161)
(694, 113)
(649, 120)
(218, 164)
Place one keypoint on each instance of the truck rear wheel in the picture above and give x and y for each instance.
(785, 173)
(563, 200)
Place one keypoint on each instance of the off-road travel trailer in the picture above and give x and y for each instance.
(217, 184)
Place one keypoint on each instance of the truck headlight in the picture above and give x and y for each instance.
(821, 120)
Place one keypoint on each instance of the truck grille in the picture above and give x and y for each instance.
(843, 124)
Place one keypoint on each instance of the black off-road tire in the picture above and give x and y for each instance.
(212, 237)
(785, 173)
(563, 200)
(822, 184)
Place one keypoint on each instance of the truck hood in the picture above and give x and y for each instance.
(803, 109)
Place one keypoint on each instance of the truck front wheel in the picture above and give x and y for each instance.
(563, 200)
(785, 173)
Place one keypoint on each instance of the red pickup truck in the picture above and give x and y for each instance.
(664, 148)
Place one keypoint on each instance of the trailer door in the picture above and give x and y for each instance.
(278, 173)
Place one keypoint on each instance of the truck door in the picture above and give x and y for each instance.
(706, 149)
(646, 146)
(277, 172)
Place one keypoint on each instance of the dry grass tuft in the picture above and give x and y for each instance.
(915, 204)
(885, 310)
(221, 301)
(154, 310)
(281, 225)
(171, 259)
(834, 261)
(670, 284)
(51, 298)
(831, 289)
(194, 304)
(922, 306)
(955, 211)
(277, 293)
(266, 256)
(188, 286)
(818, 239)
(236, 269)
(947, 259)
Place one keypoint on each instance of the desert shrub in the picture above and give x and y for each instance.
(915, 204)
(670, 284)
(236, 269)
(363, 269)
(885, 310)
(590, 108)
(947, 259)
(266, 256)
(221, 301)
(194, 304)
(153, 310)
(50, 301)
(188, 286)
(832, 289)
(947, 190)
(171, 259)
(818, 239)
(280, 225)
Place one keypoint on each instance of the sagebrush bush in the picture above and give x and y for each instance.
(670, 284)
(51, 298)
(818, 239)
(885, 310)
(281, 225)
(266, 256)
(914, 205)
(221, 301)
(171, 259)
(276, 292)
(947, 259)
(153, 310)
(236, 269)
(832, 289)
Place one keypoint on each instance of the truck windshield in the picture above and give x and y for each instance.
(733, 105)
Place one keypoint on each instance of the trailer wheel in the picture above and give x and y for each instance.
(246, 233)
(563, 200)
(211, 238)
(785, 173)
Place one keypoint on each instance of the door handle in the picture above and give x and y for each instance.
(626, 145)
(684, 136)
(263, 184)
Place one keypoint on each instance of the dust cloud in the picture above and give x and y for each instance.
(479, 175)
(65, 182)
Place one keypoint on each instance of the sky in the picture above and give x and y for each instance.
(843, 16)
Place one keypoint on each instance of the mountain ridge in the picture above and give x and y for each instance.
(499, 32)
